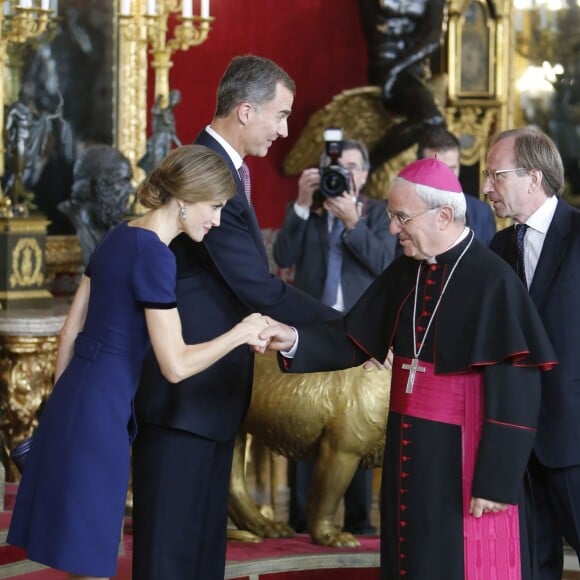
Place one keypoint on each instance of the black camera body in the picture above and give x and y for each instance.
(334, 179)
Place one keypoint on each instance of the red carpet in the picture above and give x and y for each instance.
(292, 559)
(9, 554)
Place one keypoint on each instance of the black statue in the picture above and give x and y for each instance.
(30, 135)
(401, 35)
(18, 128)
(163, 133)
(63, 75)
(99, 196)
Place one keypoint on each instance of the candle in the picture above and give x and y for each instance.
(54, 7)
(151, 7)
(187, 9)
(7, 8)
(44, 4)
(205, 8)
(125, 7)
(25, 4)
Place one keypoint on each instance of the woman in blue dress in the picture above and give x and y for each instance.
(71, 498)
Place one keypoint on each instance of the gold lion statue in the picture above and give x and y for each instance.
(336, 418)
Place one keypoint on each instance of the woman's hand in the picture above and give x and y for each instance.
(253, 325)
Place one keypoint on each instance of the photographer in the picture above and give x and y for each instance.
(339, 242)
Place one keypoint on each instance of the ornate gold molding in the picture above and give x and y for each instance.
(132, 92)
(63, 256)
(26, 379)
(22, 260)
(475, 123)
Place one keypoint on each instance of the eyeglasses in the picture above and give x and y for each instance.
(403, 219)
(493, 175)
(353, 167)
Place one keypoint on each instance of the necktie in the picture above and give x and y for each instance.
(520, 233)
(245, 177)
(334, 267)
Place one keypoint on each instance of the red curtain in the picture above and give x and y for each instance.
(318, 42)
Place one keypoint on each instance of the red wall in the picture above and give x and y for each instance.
(318, 42)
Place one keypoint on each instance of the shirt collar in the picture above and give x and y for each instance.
(233, 154)
(436, 259)
(541, 219)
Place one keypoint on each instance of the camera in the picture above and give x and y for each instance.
(334, 179)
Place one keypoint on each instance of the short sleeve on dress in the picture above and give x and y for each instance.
(154, 275)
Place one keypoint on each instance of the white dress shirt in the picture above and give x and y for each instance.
(538, 224)
(233, 154)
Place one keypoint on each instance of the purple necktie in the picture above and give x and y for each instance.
(521, 269)
(245, 177)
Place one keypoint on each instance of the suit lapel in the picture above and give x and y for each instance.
(553, 252)
(204, 138)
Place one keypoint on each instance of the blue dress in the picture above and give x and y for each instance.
(71, 498)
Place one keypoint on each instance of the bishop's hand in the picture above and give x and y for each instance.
(479, 506)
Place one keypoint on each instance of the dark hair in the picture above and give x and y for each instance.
(349, 144)
(439, 139)
(533, 149)
(191, 173)
(251, 79)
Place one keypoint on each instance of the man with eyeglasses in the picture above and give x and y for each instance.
(524, 180)
(465, 394)
(356, 228)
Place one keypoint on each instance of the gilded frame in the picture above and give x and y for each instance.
(476, 40)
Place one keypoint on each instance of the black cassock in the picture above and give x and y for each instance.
(485, 333)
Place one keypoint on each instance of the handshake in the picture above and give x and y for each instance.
(264, 333)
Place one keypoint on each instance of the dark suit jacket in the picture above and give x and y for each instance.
(366, 250)
(219, 281)
(555, 290)
(480, 219)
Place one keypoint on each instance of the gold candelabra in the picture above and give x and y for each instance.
(20, 21)
(146, 24)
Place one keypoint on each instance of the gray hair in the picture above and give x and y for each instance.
(434, 197)
(533, 149)
(350, 144)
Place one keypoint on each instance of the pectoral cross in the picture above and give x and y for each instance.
(413, 368)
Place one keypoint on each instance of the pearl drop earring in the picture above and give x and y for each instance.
(182, 212)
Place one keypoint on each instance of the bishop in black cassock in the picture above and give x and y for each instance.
(460, 431)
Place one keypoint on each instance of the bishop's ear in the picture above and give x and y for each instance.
(446, 215)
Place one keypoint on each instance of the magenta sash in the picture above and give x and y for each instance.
(491, 542)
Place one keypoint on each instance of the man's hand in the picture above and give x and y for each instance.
(278, 336)
(307, 185)
(479, 506)
(344, 208)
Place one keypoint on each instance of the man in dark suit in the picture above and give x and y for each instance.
(183, 452)
(439, 142)
(524, 179)
(357, 227)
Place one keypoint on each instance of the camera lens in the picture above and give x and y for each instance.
(333, 181)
